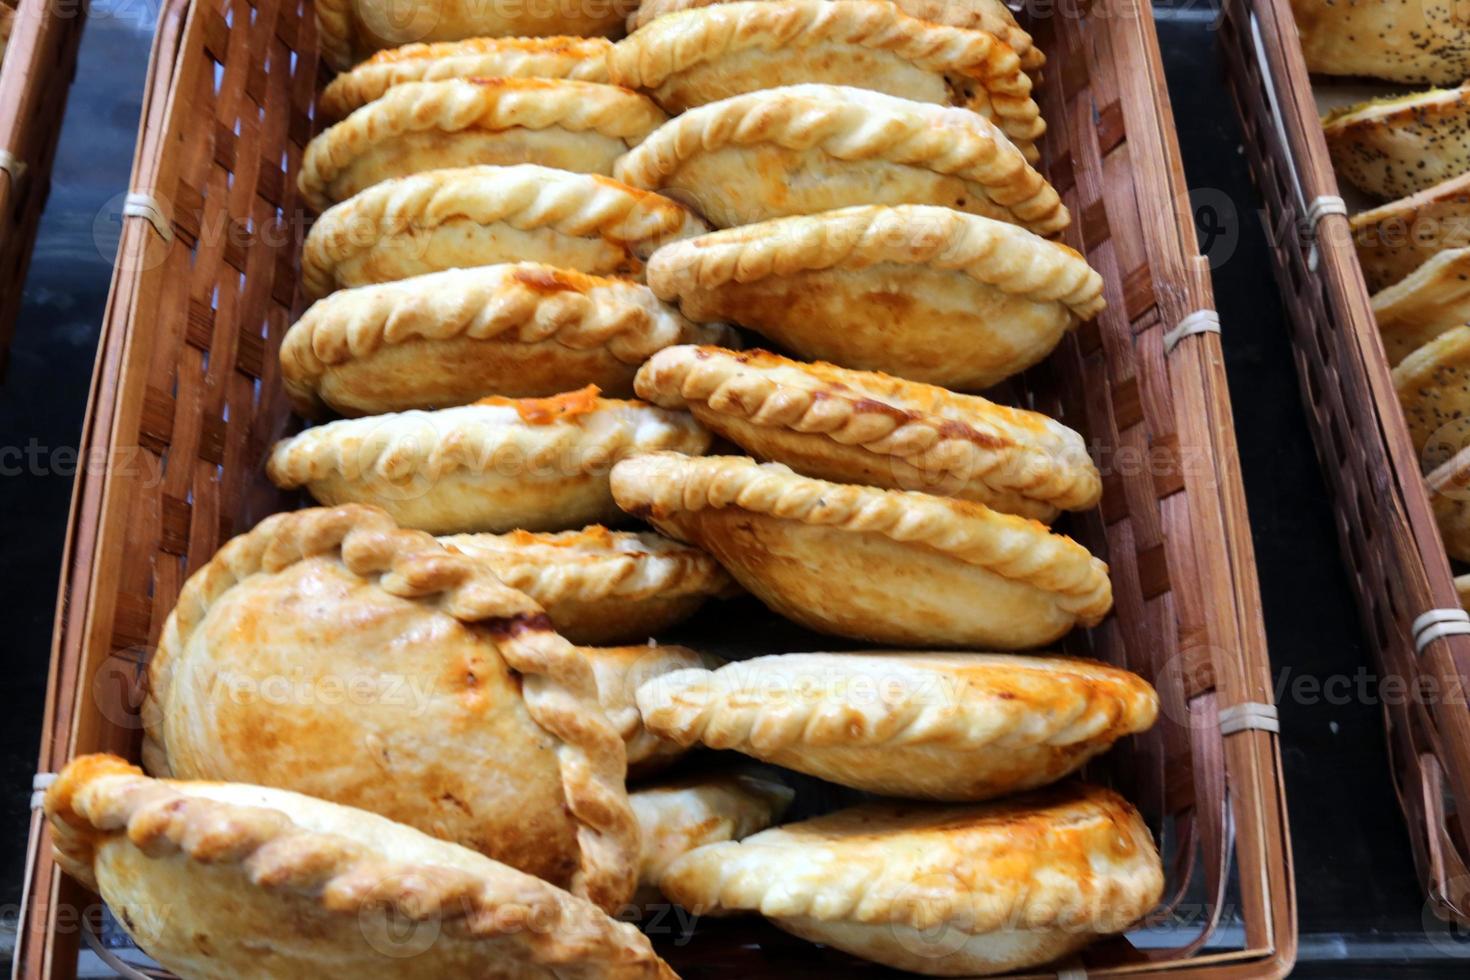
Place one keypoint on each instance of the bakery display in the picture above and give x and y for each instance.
(1395, 239)
(677, 816)
(486, 215)
(704, 54)
(802, 149)
(222, 881)
(1398, 42)
(601, 586)
(943, 891)
(519, 329)
(926, 293)
(1395, 146)
(887, 566)
(865, 427)
(948, 726)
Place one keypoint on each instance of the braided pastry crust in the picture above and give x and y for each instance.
(863, 427)
(447, 338)
(473, 216)
(364, 546)
(582, 59)
(704, 54)
(419, 126)
(620, 672)
(810, 148)
(883, 565)
(263, 882)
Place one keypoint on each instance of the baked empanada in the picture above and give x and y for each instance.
(992, 16)
(223, 881)
(620, 672)
(934, 726)
(1425, 41)
(925, 293)
(809, 148)
(1398, 146)
(704, 54)
(471, 216)
(500, 464)
(945, 891)
(1433, 386)
(884, 565)
(1418, 308)
(448, 338)
(582, 127)
(601, 586)
(583, 59)
(863, 427)
(329, 652)
(677, 816)
(1397, 238)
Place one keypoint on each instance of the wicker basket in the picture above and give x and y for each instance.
(1387, 531)
(35, 76)
(187, 400)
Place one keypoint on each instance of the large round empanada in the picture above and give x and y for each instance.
(1433, 386)
(945, 891)
(1396, 239)
(883, 565)
(497, 465)
(470, 216)
(223, 881)
(581, 127)
(1430, 300)
(864, 427)
(448, 338)
(1398, 146)
(601, 586)
(809, 148)
(1411, 41)
(925, 293)
(332, 653)
(704, 54)
(934, 726)
(582, 59)
(677, 816)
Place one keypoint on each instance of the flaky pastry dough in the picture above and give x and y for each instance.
(1394, 147)
(1400, 42)
(680, 815)
(1433, 298)
(1398, 238)
(1433, 385)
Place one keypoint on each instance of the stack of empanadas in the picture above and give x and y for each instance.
(350, 719)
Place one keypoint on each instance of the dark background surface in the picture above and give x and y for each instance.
(1361, 910)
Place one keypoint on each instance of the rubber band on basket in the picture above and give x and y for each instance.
(1200, 321)
(1321, 207)
(1437, 623)
(40, 783)
(1253, 716)
(1072, 972)
(137, 205)
(12, 165)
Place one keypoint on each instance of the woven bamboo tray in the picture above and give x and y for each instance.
(186, 401)
(1387, 532)
(35, 76)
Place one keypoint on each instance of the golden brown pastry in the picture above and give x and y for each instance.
(472, 216)
(883, 565)
(581, 127)
(502, 463)
(934, 726)
(620, 671)
(704, 54)
(1397, 41)
(223, 881)
(1449, 496)
(925, 293)
(680, 815)
(1433, 385)
(332, 653)
(447, 338)
(804, 149)
(1462, 586)
(1420, 307)
(1395, 239)
(944, 891)
(1398, 146)
(350, 30)
(864, 427)
(582, 59)
(601, 586)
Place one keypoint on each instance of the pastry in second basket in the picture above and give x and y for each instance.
(888, 566)
(1401, 42)
(1397, 238)
(1394, 147)
(934, 726)
(1449, 496)
(224, 880)
(497, 465)
(925, 293)
(944, 891)
(601, 586)
(708, 53)
(1418, 308)
(447, 338)
(471, 216)
(808, 148)
(1433, 385)
(864, 427)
